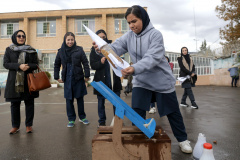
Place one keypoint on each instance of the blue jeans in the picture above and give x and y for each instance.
(101, 108)
(71, 111)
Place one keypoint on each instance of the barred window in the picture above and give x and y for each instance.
(7, 29)
(80, 30)
(121, 26)
(46, 28)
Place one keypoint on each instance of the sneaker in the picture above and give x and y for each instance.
(184, 104)
(70, 124)
(84, 121)
(185, 146)
(194, 106)
(102, 124)
(152, 110)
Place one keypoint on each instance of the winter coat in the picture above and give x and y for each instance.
(147, 52)
(233, 71)
(184, 72)
(10, 62)
(79, 59)
(95, 63)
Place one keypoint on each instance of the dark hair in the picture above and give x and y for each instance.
(135, 10)
(101, 31)
(69, 34)
(167, 58)
(184, 47)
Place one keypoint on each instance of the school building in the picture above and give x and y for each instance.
(45, 31)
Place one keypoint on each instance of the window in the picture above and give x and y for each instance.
(80, 30)
(7, 29)
(48, 61)
(121, 26)
(46, 28)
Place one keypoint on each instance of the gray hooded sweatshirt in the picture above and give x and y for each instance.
(147, 51)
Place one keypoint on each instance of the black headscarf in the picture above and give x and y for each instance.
(14, 38)
(187, 57)
(102, 31)
(67, 51)
(144, 17)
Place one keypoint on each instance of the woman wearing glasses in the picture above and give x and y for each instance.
(20, 59)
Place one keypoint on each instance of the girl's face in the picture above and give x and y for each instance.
(135, 24)
(21, 38)
(184, 51)
(70, 41)
(102, 35)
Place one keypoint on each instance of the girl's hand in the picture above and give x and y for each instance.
(86, 79)
(103, 59)
(127, 72)
(60, 80)
(24, 67)
(96, 47)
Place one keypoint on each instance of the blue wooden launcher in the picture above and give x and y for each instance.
(146, 126)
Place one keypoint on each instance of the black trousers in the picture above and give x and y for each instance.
(176, 122)
(234, 80)
(188, 92)
(15, 113)
(167, 105)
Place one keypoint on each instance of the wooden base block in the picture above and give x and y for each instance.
(156, 148)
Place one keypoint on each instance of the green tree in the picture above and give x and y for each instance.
(203, 47)
(229, 10)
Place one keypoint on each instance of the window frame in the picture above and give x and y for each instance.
(120, 26)
(47, 30)
(83, 31)
(15, 27)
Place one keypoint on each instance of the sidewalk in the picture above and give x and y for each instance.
(217, 117)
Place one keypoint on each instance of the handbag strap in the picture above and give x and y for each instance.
(39, 68)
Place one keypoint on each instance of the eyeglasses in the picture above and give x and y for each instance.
(19, 36)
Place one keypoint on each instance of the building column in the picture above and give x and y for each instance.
(104, 22)
(64, 25)
(26, 29)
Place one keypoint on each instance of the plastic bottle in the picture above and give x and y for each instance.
(106, 50)
(207, 152)
(198, 149)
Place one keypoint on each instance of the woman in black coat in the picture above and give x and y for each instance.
(72, 58)
(20, 59)
(102, 67)
(187, 68)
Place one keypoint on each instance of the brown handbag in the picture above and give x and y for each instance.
(38, 81)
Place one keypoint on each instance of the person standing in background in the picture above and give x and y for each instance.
(187, 68)
(20, 59)
(234, 74)
(72, 57)
(102, 67)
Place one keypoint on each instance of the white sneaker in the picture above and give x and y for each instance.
(185, 146)
(152, 110)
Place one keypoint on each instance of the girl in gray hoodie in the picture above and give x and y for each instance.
(151, 72)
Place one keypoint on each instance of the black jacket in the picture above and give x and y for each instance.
(79, 59)
(10, 62)
(184, 72)
(95, 62)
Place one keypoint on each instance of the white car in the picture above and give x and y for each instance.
(92, 73)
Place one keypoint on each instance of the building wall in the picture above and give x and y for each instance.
(104, 19)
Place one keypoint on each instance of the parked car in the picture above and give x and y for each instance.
(92, 73)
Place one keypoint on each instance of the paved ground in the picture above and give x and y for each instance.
(217, 118)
